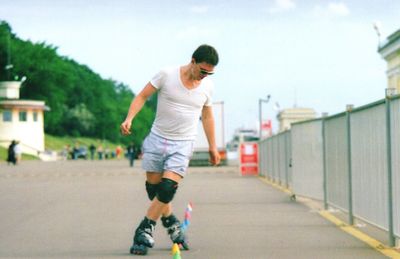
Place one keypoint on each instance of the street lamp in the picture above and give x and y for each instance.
(260, 101)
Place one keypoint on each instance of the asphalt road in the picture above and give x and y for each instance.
(85, 209)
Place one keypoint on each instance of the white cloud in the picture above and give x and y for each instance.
(199, 9)
(282, 5)
(338, 9)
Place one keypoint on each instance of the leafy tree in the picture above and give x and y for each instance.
(81, 102)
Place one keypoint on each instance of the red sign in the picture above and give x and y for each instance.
(249, 170)
(248, 153)
(266, 125)
(266, 128)
(249, 158)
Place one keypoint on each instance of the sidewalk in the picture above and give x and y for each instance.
(255, 220)
(85, 209)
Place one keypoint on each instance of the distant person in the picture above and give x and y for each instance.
(11, 158)
(65, 152)
(92, 150)
(75, 152)
(107, 153)
(69, 152)
(131, 151)
(100, 152)
(184, 93)
(18, 152)
(118, 151)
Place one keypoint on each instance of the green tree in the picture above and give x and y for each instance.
(81, 102)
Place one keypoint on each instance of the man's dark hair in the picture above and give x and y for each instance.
(206, 53)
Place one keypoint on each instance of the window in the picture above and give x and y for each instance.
(22, 116)
(35, 116)
(7, 115)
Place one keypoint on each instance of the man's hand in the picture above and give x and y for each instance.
(215, 158)
(126, 128)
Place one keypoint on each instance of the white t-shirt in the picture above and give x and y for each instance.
(178, 108)
(17, 149)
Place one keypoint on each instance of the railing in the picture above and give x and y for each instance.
(350, 161)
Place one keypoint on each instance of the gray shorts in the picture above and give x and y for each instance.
(161, 154)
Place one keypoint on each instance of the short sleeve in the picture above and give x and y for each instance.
(209, 94)
(158, 80)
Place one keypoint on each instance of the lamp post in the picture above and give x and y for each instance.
(260, 101)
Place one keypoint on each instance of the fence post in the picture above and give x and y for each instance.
(325, 181)
(273, 160)
(392, 238)
(287, 160)
(278, 165)
(260, 158)
(349, 108)
(267, 155)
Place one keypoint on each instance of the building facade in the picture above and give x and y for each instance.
(291, 115)
(390, 51)
(21, 120)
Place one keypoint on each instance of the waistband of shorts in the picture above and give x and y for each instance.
(168, 139)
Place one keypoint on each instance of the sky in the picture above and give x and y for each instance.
(313, 54)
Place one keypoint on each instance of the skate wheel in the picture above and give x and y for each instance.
(138, 249)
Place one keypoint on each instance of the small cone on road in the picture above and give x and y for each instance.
(176, 253)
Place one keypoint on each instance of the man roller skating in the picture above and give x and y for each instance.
(184, 95)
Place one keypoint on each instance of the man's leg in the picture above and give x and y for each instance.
(161, 195)
(152, 181)
(163, 207)
(143, 237)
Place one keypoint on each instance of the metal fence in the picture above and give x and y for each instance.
(395, 140)
(336, 164)
(277, 165)
(369, 165)
(307, 159)
(350, 161)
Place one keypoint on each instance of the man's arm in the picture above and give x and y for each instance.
(207, 119)
(136, 106)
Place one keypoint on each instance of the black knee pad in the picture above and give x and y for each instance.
(166, 190)
(151, 190)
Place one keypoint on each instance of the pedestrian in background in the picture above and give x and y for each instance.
(11, 158)
(75, 151)
(92, 150)
(131, 151)
(118, 151)
(18, 152)
(100, 152)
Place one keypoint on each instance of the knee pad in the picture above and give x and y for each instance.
(151, 190)
(166, 190)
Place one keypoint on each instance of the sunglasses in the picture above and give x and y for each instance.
(205, 72)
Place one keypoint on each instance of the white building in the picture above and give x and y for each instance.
(291, 115)
(21, 120)
(390, 51)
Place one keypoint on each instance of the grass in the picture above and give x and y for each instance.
(3, 156)
(56, 143)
